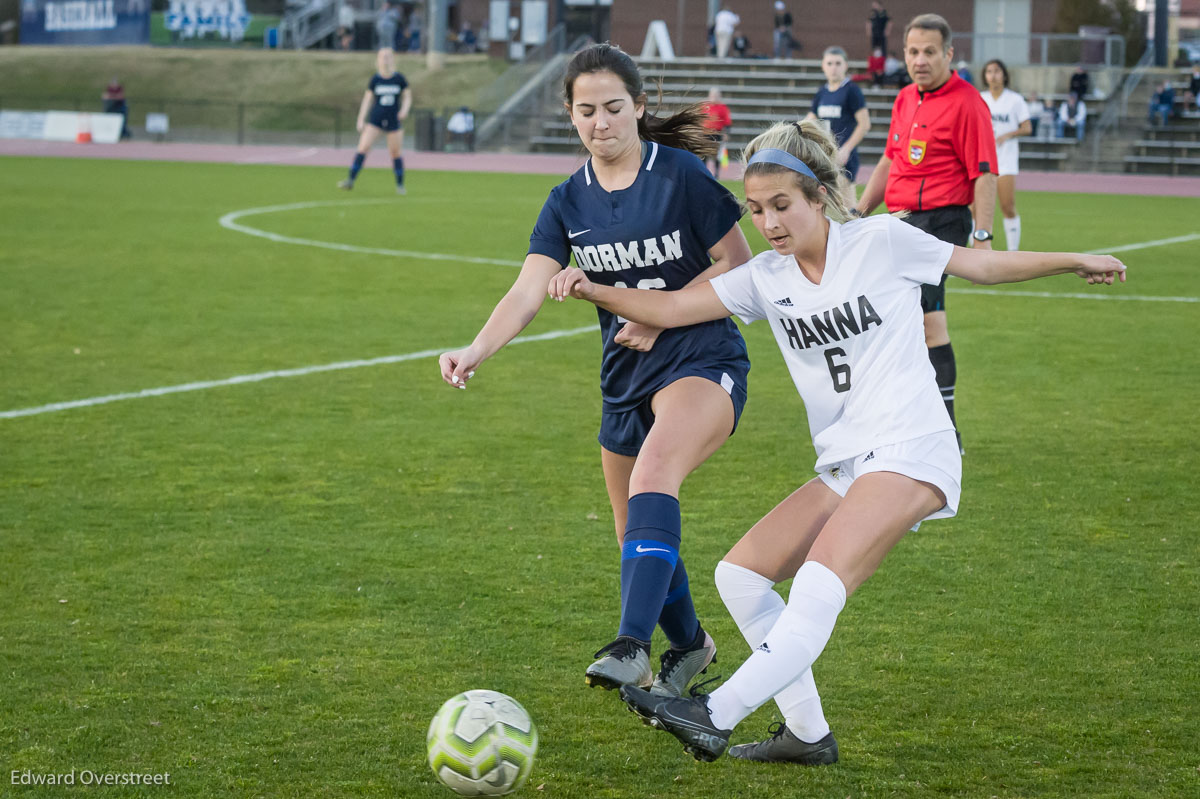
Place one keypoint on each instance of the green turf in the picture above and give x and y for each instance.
(269, 589)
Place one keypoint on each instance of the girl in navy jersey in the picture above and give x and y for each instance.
(382, 112)
(642, 212)
(840, 105)
(842, 297)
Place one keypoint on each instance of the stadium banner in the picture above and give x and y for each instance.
(61, 126)
(85, 22)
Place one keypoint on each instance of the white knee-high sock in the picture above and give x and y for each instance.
(1012, 233)
(755, 607)
(789, 649)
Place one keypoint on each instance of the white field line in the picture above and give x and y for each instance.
(255, 378)
(230, 221)
(1103, 293)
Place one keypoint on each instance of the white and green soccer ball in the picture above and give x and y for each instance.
(481, 743)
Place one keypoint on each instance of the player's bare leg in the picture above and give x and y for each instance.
(692, 418)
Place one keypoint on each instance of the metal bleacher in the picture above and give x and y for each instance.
(763, 91)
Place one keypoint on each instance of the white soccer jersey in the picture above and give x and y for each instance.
(855, 343)
(1008, 112)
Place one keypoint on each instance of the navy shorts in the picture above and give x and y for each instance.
(623, 432)
(388, 123)
(950, 224)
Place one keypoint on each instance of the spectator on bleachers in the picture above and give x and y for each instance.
(724, 24)
(895, 73)
(717, 121)
(1162, 103)
(879, 26)
(964, 72)
(387, 24)
(345, 31)
(468, 41)
(1192, 98)
(741, 44)
(1081, 84)
(877, 67)
(1036, 108)
(1072, 118)
(784, 41)
(415, 24)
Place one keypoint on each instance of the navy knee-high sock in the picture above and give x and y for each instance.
(678, 618)
(398, 168)
(648, 559)
(356, 167)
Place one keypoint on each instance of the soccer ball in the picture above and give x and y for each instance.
(481, 743)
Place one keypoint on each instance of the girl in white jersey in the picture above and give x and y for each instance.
(1010, 119)
(843, 299)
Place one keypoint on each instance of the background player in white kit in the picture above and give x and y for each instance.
(843, 299)
(1010, 119)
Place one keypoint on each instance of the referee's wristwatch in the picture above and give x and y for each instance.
(982, 235)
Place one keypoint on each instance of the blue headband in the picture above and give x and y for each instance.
(782, 158)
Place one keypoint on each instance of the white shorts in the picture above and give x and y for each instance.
(1008, 156)
(934, 458)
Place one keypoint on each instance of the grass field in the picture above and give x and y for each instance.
(268, 588)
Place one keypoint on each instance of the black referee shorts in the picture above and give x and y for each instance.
(951, 224)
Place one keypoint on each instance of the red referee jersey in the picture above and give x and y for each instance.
(939, 142)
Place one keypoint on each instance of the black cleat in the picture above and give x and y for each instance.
(784, 747)
(688, 719)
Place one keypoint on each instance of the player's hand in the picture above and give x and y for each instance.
(570, 282)
(637, 336)
(843, 155)
(359, 125)
(1100, 269)
(458, 367)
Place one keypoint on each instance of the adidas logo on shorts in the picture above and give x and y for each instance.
(870, 456)
(786, 302)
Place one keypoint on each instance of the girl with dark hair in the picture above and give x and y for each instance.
(643, 212)
(842, 297)
(1010, 119)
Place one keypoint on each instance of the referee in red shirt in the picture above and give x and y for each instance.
(940, 157)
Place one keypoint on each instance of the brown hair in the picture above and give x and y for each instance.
(684, 129)
(815, 146)
(930, 22)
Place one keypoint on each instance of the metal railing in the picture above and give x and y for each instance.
(304, 26)
(1044, 49)
(1118, 107)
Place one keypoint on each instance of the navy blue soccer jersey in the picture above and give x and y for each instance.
(656, 234)
(387, 93)
(838, 108)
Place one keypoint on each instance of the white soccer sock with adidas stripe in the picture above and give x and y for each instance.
(755, 607)
(788, 650)
(1012, 233)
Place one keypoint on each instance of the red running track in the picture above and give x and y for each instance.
(1079, 182)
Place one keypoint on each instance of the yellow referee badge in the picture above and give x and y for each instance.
(916, 151)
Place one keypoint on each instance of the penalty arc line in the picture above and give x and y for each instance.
(229, 221)
(271, 375)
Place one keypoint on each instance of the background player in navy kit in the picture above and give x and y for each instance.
(887, 457)
(841, 105)
(643, 214)
(382, 112)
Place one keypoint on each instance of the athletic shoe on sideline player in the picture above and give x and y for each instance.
(346, 184)
(688, 719)
(626, 661)
(401, 190)
(680, 666)
(784, 747)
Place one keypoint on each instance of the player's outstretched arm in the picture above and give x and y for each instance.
(514, 311)
(687, 306)
(989, 267)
